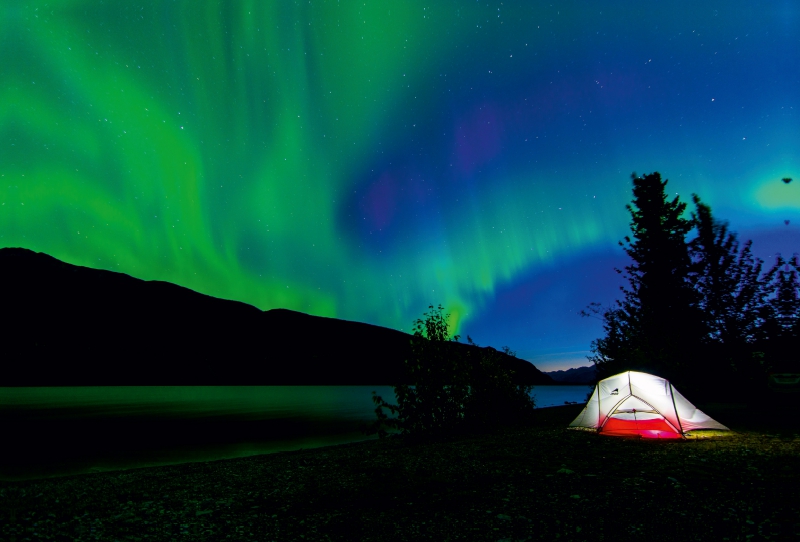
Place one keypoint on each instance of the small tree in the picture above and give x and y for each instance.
(434, 404)
(452, 389)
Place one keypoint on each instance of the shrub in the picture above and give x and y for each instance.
(452, 390)
(494, 399)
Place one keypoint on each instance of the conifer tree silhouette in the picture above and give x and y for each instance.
(699, 311)
(732, 294)
(657, 326)
(782, 314)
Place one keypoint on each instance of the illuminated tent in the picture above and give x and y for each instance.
(639, 404)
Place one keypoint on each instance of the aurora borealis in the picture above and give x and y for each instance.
(362, 160)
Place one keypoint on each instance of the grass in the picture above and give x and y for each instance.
(543, 482)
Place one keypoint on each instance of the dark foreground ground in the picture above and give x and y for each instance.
(539, 483)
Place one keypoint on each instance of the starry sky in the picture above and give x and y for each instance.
(362, 160)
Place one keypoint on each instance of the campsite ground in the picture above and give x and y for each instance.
(538, 483)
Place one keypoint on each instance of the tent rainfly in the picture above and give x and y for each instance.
(640, 404)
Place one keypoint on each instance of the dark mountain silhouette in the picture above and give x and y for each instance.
(66, 325)
(578, 375)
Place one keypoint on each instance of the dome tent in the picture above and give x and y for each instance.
(640, 404)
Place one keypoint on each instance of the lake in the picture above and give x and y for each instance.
(74, 430)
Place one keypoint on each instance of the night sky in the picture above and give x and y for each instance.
(362, 160)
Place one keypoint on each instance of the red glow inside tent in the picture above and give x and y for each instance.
(655, 428)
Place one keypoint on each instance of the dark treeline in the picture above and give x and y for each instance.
(699, 308)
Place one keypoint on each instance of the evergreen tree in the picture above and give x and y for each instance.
(714, 256)
(657, 327)
(732, 296)
(746, 314)
(732, 291)
(782, 314)
(696, 311)
(786, 303)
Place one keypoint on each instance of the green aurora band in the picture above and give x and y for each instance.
(361, 160)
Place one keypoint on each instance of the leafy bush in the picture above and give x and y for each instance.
(495, 400)
(452, 390)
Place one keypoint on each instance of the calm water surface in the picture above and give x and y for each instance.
(75, 430)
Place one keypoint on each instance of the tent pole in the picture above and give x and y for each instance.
(676, 429)
(677, 416)
(630, 390)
